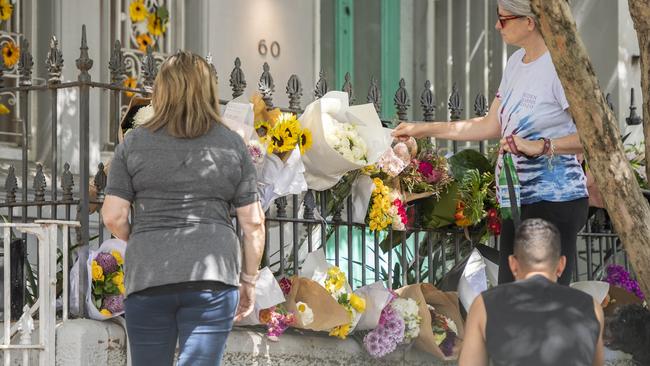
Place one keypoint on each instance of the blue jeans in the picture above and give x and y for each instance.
(199, 320)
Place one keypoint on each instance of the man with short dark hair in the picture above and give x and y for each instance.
(534, 321)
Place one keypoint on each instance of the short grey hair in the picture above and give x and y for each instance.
(519, 7)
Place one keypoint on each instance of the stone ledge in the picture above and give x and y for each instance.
(250, 347)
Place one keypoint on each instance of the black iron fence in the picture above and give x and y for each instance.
(296, 224)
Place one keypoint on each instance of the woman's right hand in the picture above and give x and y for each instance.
(408, 129)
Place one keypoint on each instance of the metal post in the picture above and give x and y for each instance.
(84, 63)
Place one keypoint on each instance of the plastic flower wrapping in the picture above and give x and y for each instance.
(275, 142)
(105, 298)
(345, 138)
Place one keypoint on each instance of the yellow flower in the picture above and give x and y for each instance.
(118, 257)
(155, 25)
(144, 40)
(5, 10)
(105, 312)
(98, 272)
(138, 11)
(341, 331)
(121, 288)
(10, 53)
(358, 303)
(305, 140)
(131, 83)
(262, 128)
(4, 109)
(280, 141)
(118, 279)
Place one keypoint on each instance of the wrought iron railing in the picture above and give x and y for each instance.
(295, 225)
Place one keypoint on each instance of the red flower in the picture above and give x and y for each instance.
(285, 285)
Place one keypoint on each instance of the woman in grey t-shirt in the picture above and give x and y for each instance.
(182, 171)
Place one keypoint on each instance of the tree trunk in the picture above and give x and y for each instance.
(640, 12)
(599, 134)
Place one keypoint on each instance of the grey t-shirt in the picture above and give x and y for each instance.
(182, 190)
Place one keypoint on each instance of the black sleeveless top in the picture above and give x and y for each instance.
(539, 322)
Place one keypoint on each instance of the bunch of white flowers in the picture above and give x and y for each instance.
(345, 139)
(409, 311)
(143, 115)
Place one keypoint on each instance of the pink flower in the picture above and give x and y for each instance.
(425, 168)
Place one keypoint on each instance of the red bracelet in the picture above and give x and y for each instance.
(547, 147)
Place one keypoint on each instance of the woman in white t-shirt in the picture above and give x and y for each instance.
(530, 115)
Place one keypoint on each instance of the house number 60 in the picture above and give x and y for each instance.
(263, 49)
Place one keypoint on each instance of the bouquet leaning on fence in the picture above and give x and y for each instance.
(345, 138)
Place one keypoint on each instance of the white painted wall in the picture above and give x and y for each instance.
(234, 29)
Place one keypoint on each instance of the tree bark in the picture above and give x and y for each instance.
(599, 134)
(640, 12)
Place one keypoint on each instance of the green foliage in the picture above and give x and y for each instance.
(466, 160)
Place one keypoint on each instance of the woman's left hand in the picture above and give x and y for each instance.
(527, 147)
(246, 301)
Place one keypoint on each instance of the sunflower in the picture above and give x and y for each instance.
(156, 25)
(305, 140)
(144, 40)
(3, 109)
(138, 11)
(10, 53)
(280, 142)
(5, 10)
(131, 83)
(262, 128)
(288, 124)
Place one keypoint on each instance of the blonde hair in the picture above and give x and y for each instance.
(185, 99)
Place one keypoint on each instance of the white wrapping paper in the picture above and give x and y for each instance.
(324, 166)
(267, 294)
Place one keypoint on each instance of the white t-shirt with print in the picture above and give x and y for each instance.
(534, 106)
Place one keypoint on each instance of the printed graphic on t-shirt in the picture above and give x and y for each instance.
(533, 106)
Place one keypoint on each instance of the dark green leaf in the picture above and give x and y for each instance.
(468, 159)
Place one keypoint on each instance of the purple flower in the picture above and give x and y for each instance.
(107, 262)
(447, 346)
(618, 276)
(114, 303)
(425, 168)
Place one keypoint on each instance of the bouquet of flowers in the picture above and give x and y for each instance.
(277, 320)
(336, 285)
(387, 208)
(389, 333)
(106, 280)
(426, 175)
(428, 338)
(399, 324)
(138, 112)
(618, 276)
(445, 331)
(346, 138)
(409, 312)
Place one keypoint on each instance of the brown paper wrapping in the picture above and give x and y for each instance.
(327, 312)
(445, 303)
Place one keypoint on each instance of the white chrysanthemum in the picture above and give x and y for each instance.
(408, 310)
(344, 138)
(143, 115)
